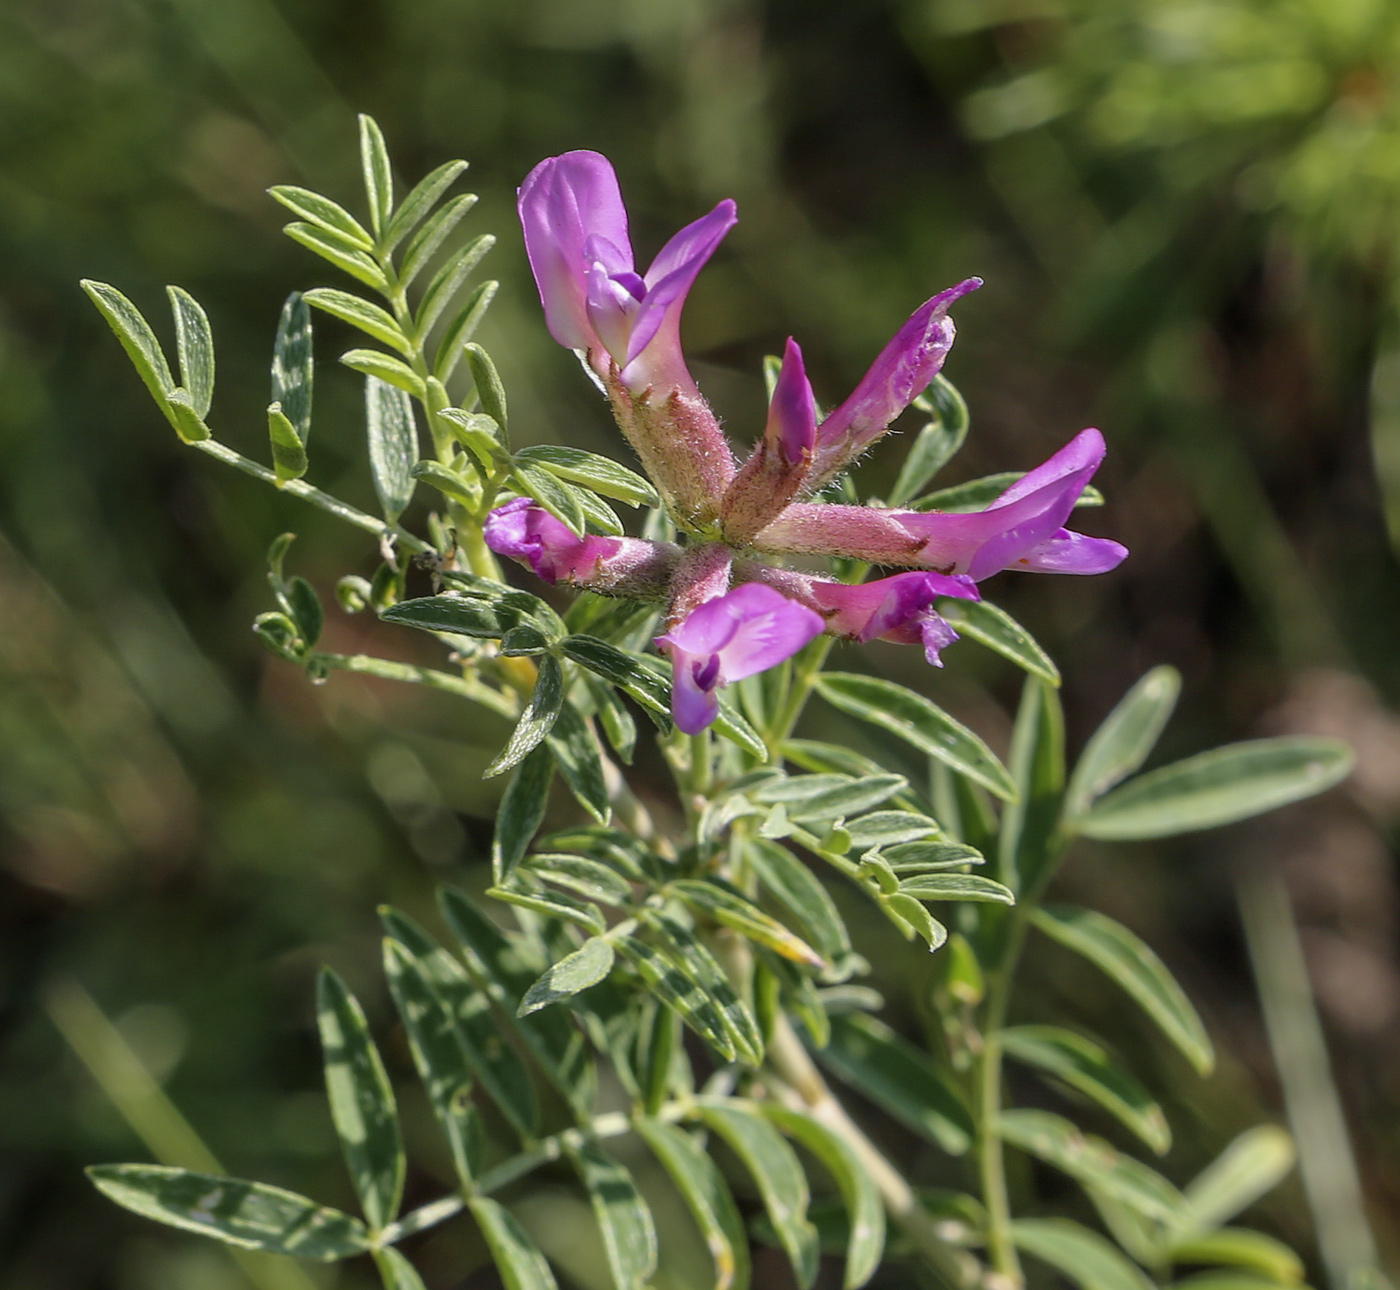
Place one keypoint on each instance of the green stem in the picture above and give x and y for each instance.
(465, 687)
(298, 488)
(991, 1159)
(809, 664)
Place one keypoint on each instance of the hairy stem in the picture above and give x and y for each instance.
(466, 687)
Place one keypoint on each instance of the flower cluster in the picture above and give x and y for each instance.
(732, 608)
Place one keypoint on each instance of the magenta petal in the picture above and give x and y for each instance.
(1069, 552)
(675, 269)
(524, 531)
(692, 705)
(905, 367)
(892, 607)
(1081, 454)
(937, 634)
(563, 202)
(792, 415)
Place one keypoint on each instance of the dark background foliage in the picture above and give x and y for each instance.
(1185, 216)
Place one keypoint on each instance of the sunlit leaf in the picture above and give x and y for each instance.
(992, 626)
(518, 1260)
(1084, 1257)
(393, 445)
(1125, 739)
(575, 972)
(629, 1236)
(1252, 1165)
(194, 344)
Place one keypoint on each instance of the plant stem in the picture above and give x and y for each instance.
(466, 687)
(299, 488)
(804, 675)
(991, 1159)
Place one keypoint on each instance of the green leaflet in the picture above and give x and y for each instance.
(889, 828)
(801, 894)
(1084, 1257)
(629, 1236)
(322, 212)
(829, 797)
(1218, 787)
(378, 176)
(1135, 966)
(494, 964)
(601, 474)
(517, 1259)
(423, 245)
(901, 1079)
(145, 353)
(776, 1170)
(521, 812)
(439, 1052)
(448, 280)
(708, 1198)
(590, 878)
(194, 345)
(1253, 1164)
(552, 904)
(541, 712)
(680, 992)
(743, 916)
(1092, 1161)
(920, 723)
(392, 371)
(1029, 845)
(577, 759)
(252, 1215)
(495, 1063)
(1125, 739)
(462, 327)
(289, 460)
(956, 886)
(293, 365)
(395, 1271)
(1086, 1067)
(362, 1102)
(420, 201)
(575, 972)
(393, 445)
(339, 251)
(689, 954)
(362, 314)
(823, 759)
(993, 627)
(936, 444)
(864, 1208)
(1240, 1247)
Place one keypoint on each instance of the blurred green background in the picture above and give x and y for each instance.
(1187, 214)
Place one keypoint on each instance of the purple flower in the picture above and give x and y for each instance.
(627, 324)
(898, 608)
(1022, 528)
(902, 371)
(594, 299)
(778, 468)
(523, 530)
(736, 635)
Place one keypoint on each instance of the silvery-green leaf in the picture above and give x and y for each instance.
(420, 201)
(918, 722)
(538, 718)
(392, 371)
(899, 1078)
(601, 474)
(424, 243)
(620, 667)
(1240, 1247)
(578, 761)
(340, 252)
(321, 210)
(829, 797)
(459, 331)
(289, 460)
(248, 1214)
(293, 364)
(670, 983)
(1133, 964)
(956, 886)
(1082, 1256)
(774, 1167)
(194, 344)
(412, 953)
(1219, 787)
(629, 1235)
(1029, 845)
(587, 877)
(553, 904)
(395, 1271)
(932, 856)
(379, 178)
(890, 828)
(708, 1198)
(137, 338)
(801, 893)
(518, 1261)
(393, 445)
(992, 626)
(362, 1102)
(1125, 739)
(1252, 1165)
(864, 1209)
(733, 910)
(361, 313)
(489, 388)
(448, 280)
(825, 759)
(1092, 1161)
(1086, 1067)
(575, 972)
